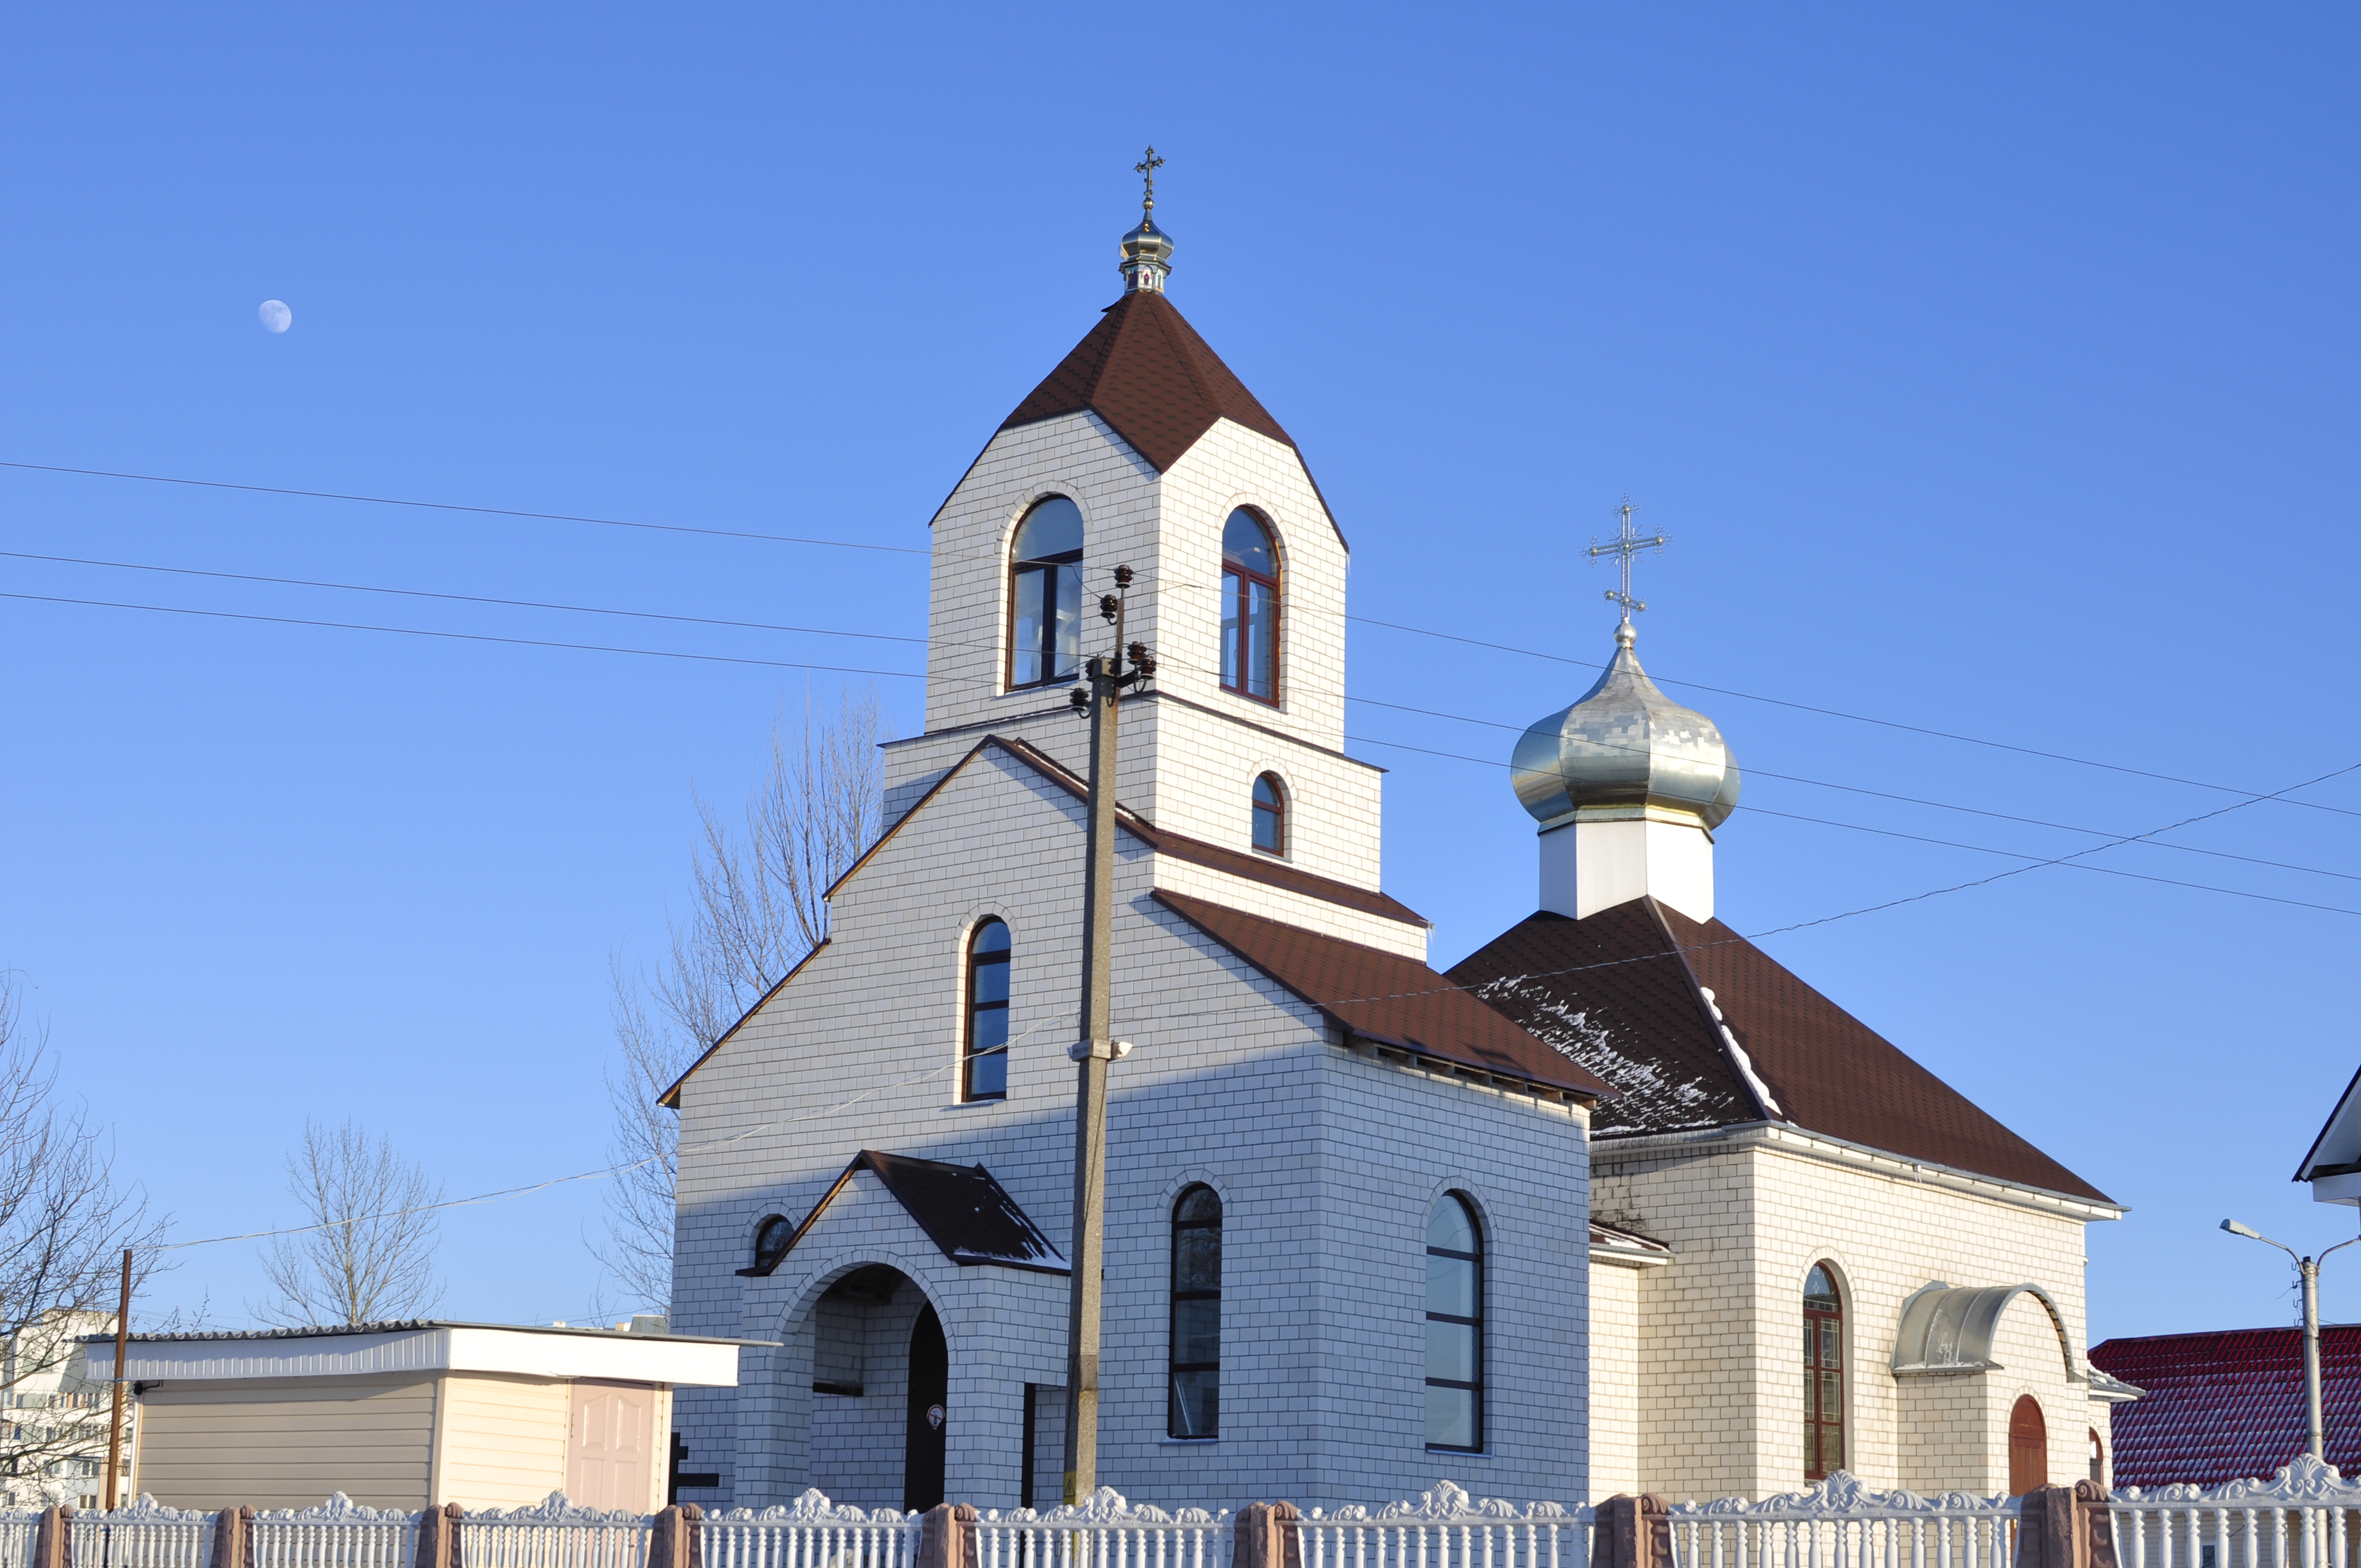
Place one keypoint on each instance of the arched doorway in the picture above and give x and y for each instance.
(2028, 1447)
(929, 1413)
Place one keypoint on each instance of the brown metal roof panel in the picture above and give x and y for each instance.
(1383, 995)
(1609, 993)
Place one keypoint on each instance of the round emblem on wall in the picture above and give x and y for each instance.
(935, 1417)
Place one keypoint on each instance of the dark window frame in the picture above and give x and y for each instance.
(1249, 578)
(971, 1010)
(1476, 1388)
(1277, 814)
(770, 1238)
(1175, 1420)
(1048, 567)
(1824, 1374)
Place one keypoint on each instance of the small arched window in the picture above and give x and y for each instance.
(1824, 1433)
(1270, 815)
(1193, 1406)
(1045, 596)
(1455, 1326)
(770, 1239)
(2098, 1458)
(1249, 609)
(2028, 1447)
(985, 1074)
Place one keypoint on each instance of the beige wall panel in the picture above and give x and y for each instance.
(1615, 1379)
(504, 1441)
(288, 1444)
(1720, 1330)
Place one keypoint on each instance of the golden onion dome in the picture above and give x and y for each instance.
(1626, 750)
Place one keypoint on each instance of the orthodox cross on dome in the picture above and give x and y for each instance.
(1626, 543)
(1145, 168)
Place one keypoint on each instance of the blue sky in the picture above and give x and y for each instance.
(1990, 369)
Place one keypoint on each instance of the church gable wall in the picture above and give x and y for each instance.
(1721, 1402)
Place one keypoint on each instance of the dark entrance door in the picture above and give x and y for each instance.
(931, 1392)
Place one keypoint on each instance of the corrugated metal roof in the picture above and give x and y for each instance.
(2228, 1405)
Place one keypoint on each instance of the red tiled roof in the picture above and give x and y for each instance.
(1384, 997)
(1145, 371)
(1619, 993)
(2228, 1405)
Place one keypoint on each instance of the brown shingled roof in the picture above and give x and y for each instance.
(1160, 386)
(1145, 371)
(1384, 997)
(1620, 993)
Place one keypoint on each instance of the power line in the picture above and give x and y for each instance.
(938, 642)
(908, 675)
(1858, 718)
(1366, 620)
(471, 637)
(2114, 840)
(453, 506)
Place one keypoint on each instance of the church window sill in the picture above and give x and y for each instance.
(1190, 1442)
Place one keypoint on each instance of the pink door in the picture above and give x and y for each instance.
(610, 1453)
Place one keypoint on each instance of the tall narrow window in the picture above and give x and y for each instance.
(1824, 1437)
(1249, 609)
(1455, 1326)
(986, 1076)
(2098, 1458)
(1193, 1406)
(1270, 816)
(1045, 620)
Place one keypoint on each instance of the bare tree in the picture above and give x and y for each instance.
(370, 1257)
(63, 1229)
(759, 909)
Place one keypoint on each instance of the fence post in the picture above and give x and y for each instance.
(1265, 1537)
(674, 1543)
(2094, 1527)
(53, 1546)
(233, 1538)
(947, 1536)
(1634, 1532)
(438, 1539)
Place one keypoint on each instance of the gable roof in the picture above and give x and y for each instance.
(2228, 1405)
(1385, 998)
(1180, 846)
(1160, 386)
(2337, 1150)
(1631, 992)
(962, 1209)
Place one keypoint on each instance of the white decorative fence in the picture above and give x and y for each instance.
(2308, 1516)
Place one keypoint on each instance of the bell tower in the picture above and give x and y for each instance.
(1142, 448)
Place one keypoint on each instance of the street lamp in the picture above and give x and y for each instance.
(2309, 1268)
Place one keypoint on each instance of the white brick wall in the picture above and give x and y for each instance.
(1327, 1162)
(1720, 1385)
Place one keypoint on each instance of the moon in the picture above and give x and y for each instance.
(276, 316)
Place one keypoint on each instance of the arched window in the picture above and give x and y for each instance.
(1824, 1435)
(1270, 815)
(986, 1073)
(2028, 1447)
(1045, 596)
(1249, 609)
(1455, 1326)
(1193, 1406)
(770, 1239)
(2098, 1458)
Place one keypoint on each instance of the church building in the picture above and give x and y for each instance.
(1619, 1204)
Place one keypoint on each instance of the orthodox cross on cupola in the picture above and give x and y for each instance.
(1626, 544)
(1146, 251)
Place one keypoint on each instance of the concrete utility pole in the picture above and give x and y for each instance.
(115, 1410)
(2315, 1434)
(1093, 1052)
